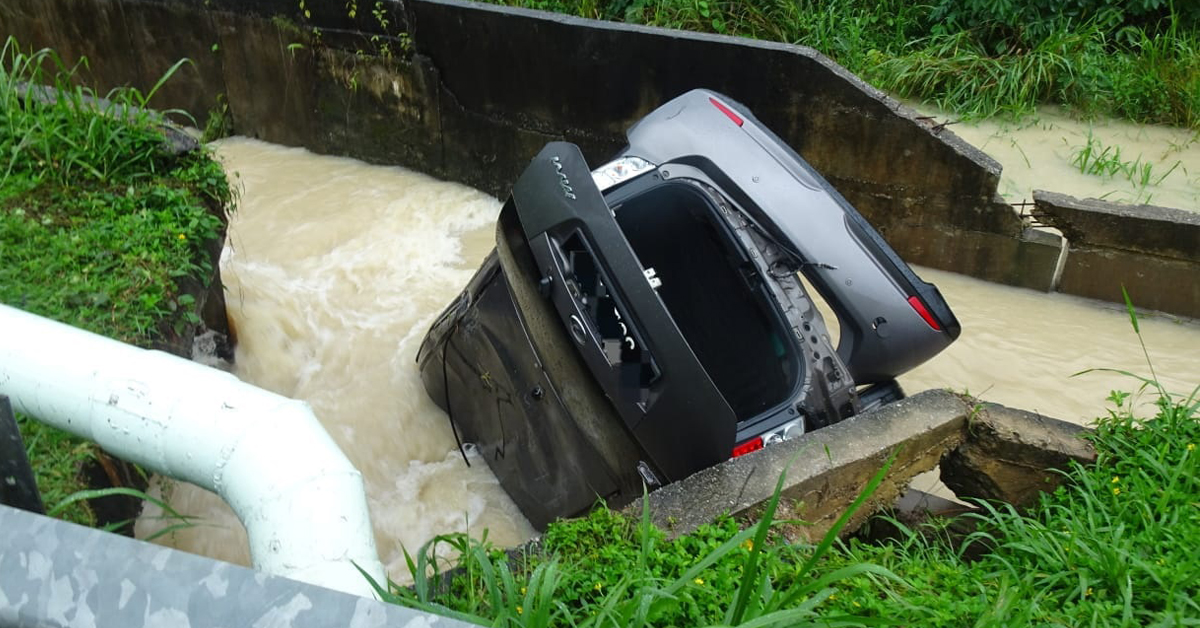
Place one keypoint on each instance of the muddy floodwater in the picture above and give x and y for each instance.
(1114, 160)
(335, 270)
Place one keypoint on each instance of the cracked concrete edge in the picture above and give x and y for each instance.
(826, 469)
(1012, 455)
(1032, 430)
(54, 573)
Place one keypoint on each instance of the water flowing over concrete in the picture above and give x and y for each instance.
(336, 268)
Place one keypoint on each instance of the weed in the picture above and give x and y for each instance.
(219, 124)
(1095, 158)
(181, 521)
(608, 569)
(99, 222)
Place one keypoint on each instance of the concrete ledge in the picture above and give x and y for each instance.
(829, 467)
(1012, 455)
(1154, 252)
(1160, 231)
(985, 450)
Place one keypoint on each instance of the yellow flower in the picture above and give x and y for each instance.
(1116, 491)
(1191, 447)
(182, 237)
(1088, 592)
(522, 590)
(520, 610)
(833, 596)
(598, 586)
(699, 581)
(1116, 478)
(749, 544)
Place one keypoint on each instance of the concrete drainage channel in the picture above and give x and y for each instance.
(454, 112)
(453, 104)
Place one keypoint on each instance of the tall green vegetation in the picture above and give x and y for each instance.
(1136, 59)
(99, 222)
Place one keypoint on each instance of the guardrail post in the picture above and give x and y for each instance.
(17, 486)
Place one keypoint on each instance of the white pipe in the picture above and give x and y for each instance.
(301, 500)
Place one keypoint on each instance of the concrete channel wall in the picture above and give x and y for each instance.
(470, 92)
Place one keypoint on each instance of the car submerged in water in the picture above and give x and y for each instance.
(645, 320)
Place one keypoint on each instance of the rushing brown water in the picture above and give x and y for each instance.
(335, 269)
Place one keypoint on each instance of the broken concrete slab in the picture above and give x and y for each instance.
(826, 469)
(1161, 231)
(1013, 456)
(985, 450)
(1153, 252)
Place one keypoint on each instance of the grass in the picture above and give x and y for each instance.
(1128, 66)
(611, 570)
(1113, 546)
(99, 222)
(1095, 158)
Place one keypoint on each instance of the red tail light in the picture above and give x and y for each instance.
(727, 111)
(920, 308)
(754, 444)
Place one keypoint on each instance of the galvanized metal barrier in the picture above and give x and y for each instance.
(56, 574)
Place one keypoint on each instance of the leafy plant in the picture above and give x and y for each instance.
(99, 223)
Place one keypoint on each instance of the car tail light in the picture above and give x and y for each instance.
(619, 170)
(727, 111)
(920, 308)
(754, 444)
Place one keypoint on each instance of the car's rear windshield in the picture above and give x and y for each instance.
(714, 293)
